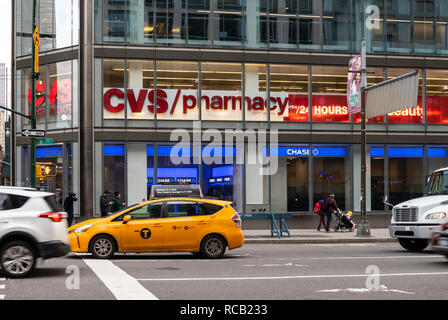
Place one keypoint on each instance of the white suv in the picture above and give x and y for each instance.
(32, 226)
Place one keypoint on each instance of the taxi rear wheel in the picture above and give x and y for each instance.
(213, 246)
(102, 247)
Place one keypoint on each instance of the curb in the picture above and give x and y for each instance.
(318, 241)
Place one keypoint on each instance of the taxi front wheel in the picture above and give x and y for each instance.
(213, 246)
(102, 247)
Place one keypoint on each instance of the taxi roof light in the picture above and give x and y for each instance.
(176, 191)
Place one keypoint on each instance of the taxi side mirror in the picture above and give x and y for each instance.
(126, 218)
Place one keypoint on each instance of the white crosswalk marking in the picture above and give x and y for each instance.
(121, 284)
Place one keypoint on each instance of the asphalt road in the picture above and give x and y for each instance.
(254, 272)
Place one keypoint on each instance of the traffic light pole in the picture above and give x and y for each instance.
(33, 105)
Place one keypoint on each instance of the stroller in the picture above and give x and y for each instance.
(343, 224)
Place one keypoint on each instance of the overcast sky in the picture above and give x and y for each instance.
(5, 36)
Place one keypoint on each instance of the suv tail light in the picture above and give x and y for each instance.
(54, 216)
(237, 219)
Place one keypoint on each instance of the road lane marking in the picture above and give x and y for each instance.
(382, 288)
(356, 258)
(275, 265)
(121, 284)
(297, 277)
(2, 286)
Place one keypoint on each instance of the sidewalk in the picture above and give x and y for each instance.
(309, 236)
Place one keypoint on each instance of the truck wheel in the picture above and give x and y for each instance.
(17, 259)
(414, 245)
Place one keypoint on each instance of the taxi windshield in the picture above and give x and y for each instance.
(437, 184)
(109, 214)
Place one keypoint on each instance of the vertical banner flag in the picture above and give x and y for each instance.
(354, 85)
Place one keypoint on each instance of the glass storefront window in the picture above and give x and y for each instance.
(310, 25)
(377, 177)
(56, 95)
(437, 157)
(114, 169)
(57, 21)
(410, 115)
(437, 96)
(423, 35)
(170, 23)
(296, 161)
(329, 94)
(221, 91)
(41, 96)
(178, 84)
(405, 173)
(398, 26)
(336, 25)
(113, 89)
(140, 96)
(331, 174)
(283, 25)
(60, 95)
(442, 27)
(289, 87)
(115, 16)
(61, 182)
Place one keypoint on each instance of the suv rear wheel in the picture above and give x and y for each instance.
(17, 259)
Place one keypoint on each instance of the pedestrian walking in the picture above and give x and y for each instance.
(318, 209)
(329, 207)
(104, 203)
(68, 207)
(116, 203)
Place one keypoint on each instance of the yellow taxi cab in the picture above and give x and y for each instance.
(186, 223)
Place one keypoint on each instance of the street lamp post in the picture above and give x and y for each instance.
(363, 226)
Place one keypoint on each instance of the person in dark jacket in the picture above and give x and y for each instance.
(104, 203)
(329, 207)
(68, 207)
(117, 205)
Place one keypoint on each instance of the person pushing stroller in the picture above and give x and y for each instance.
(344, 221)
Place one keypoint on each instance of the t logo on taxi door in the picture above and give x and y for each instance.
(145, 233)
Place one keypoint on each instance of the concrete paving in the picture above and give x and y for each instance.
(263, 236)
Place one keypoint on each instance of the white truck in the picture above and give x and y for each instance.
(414, 221)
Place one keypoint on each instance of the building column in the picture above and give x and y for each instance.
(356, 149)
(86, 107)
(136, 168)
(252, 24)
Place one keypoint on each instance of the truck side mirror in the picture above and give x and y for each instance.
(385, 201)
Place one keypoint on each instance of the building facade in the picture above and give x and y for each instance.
(121, 81)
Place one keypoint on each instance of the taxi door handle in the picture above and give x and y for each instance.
(202, 222)
(158, 225)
